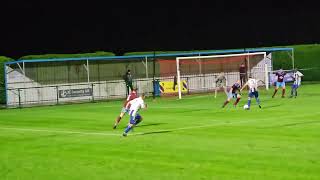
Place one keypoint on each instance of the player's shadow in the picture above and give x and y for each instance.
(292, 124)
(194, 110)
(151, 124)
(267, 107)
(154, 132)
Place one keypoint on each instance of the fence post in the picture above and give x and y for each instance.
(19, 98)
(204, 82)
(188, 86)
(92, 92)
(106, 90)
(57, 88)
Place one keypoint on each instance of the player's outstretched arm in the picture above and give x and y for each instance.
(225, 89)
(144, 106)
(230, 91)
(244, 86)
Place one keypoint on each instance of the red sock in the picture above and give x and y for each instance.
(118, 119)
(225, 103)
(235, 103)
(283, 92)
(275, 91)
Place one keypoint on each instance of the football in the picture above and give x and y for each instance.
(246, 106)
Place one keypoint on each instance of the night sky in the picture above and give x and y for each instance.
(76, 27)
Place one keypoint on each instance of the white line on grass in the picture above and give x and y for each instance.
(59, 131)
(194, 127)
(114, 134)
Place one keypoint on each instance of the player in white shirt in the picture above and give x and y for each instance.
(133, 94)
(135, 118)
(297, 82)
(253, 91)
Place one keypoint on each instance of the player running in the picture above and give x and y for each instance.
(253, 91)
(280, 83)
(135, 118)
(133, 94)
(233, 93)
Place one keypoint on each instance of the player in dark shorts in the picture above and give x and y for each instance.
(280, 83)
(233, 93)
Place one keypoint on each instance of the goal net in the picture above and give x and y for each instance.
(199, 73)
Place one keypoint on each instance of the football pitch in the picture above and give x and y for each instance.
(192, 138)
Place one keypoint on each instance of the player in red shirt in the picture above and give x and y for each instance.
(133, 94)
(233, 93)
(280, 83)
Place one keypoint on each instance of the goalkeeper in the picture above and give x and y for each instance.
(221, 82)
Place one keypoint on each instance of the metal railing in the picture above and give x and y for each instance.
(105, 90)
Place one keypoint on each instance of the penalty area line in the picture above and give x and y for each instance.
(119, 134)
(194, 127)
(60, 131)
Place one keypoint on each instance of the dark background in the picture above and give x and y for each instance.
(78, 27)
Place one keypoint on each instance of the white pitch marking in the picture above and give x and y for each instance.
(195, 127)
(60, 131)
(113, 134)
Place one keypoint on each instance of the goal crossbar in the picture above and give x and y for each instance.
(219, 56)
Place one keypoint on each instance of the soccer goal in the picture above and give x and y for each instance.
(199, 73)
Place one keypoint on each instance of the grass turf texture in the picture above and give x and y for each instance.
(192, 138)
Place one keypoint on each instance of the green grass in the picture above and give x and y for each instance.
(279, 141)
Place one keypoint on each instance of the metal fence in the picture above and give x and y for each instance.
(59, 81)
(108, 90)
(30, 95)
(69, 93)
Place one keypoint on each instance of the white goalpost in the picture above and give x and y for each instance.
(204, 69)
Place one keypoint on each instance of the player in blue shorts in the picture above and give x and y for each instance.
(297, 82)
(253, 91)
(135, 118)
(280, 83)
(125, 110)
(233, 93)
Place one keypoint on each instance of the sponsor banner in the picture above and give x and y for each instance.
(68, 93)
(171, 87)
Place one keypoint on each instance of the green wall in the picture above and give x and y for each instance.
(305, 56)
